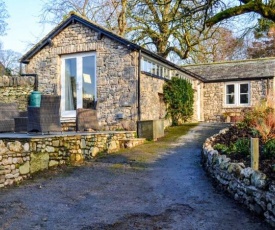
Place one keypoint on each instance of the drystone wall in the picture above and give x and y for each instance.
(19, 158)
(214, 99)
(116, 73)
(16, 89)
(250, 187)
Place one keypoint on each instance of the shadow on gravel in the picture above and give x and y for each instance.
(143, 156)
(147, 221)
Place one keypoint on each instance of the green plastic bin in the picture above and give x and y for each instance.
(35, 99)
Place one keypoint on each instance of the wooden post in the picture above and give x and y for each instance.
(254, 144)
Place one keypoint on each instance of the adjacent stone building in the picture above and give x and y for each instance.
(231, 87)
(88, 65)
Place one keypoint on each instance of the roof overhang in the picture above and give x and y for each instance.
(238, 79)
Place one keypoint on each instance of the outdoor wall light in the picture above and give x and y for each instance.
(50, 42)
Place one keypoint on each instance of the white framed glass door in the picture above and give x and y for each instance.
(78, 82)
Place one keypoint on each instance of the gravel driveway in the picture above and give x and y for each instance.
(171, 192)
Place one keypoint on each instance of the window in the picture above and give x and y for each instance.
(159, 69)
(237, 94)
(155, 68)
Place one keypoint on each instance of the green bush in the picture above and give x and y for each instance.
(242, 146)
(179, 98)
(222, 148)
(269, 148)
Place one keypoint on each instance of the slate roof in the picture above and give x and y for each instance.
(103, 32)
(235, 70)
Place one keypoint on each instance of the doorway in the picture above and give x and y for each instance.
(78, 83)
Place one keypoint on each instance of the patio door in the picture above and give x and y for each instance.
(78, 83)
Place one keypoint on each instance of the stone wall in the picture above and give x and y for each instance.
(246, 185)
(116, 69)
(16, 89)
(214, 96)
(20, 157)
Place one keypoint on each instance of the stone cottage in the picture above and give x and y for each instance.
(230, 87)
(88, 65)
(85, 63)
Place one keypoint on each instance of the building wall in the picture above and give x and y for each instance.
(116, 73)
(152, 104)
(151, 99)
(213, 99)
(16, 89)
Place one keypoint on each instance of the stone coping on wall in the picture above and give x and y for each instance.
(250, 187)
(58, 134)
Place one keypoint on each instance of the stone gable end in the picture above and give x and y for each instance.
(116, 70)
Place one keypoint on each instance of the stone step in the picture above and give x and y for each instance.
(131, 142)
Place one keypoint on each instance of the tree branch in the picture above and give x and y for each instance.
(249, 7)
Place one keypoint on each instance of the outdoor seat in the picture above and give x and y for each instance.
(21, 122)
(7, 113)
(45, 118)
(86, 120)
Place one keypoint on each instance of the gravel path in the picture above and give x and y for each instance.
(171, 193)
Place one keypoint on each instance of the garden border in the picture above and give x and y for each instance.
(247, 186)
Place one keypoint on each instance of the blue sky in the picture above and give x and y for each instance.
(23, 25)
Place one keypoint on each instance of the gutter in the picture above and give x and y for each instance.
(238, 79)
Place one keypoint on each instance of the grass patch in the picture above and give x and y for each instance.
(141, 155)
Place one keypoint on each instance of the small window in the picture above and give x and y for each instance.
(243, 93)
(230, 94)
(237, 94)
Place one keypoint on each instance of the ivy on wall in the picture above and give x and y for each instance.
(179, 98)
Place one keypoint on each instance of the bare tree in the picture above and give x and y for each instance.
(264, 44)
(10, 61)
(168, 26)
(222, 46)
(108, 13)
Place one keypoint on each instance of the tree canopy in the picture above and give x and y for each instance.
(166, 26)
(265, 9)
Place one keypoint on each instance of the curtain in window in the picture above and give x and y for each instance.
(69, 81)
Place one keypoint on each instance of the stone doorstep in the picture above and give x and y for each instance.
(131, 142)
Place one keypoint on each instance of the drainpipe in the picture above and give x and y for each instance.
(267, 87)
(138, 87)
(30, 75)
